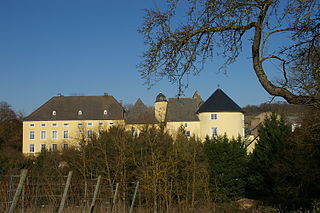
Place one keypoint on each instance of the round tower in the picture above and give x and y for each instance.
(160, 107)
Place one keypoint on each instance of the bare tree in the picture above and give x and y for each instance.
(176, 50)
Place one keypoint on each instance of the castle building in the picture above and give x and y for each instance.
(63, 121)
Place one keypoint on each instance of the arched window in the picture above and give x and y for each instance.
(105, 112)
(80, 112)
(54, 112)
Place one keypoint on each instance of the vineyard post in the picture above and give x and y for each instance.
(17, 194)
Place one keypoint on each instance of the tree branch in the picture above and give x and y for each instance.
(263, 79)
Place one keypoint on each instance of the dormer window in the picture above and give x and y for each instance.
(54, 112)
(80, 112)
(105, 112)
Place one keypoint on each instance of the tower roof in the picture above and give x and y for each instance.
(219, 102)
(161, 97)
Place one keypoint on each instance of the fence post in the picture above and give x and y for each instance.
(96, 190)
(23, 176)
(22, 197)
(114, 197)
(65, 192)
(11, 189)
(134, 197)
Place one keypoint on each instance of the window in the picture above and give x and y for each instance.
(105, 112)
(54, 124)
(54, 135)
(187, 133)
(80, 124)
(89, 124)
(31, 148)
(54, 112)
(214, 116)
(89, 133)
(43, 135)
(214, 131)
(185, 125)
(111, 124)
(65, 124)
(54, 147)
(65, 134)
(31, 125)
(101, 124)
(65, 146)
(43, 147)
(80, 112)
(43, 125)
(31, 135)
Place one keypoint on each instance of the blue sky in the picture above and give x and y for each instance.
(82, 47)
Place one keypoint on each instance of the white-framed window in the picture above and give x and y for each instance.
(53, 124)
(214, 131)
(185, 125)
(54, 135)
(214, 116)
(89, 133)
(90, 124)
(66, 124)
(43, 135)
(187, 133)
(65, 134)
(31, 148)
(54, 147)
(31, 135)
(111, 124)
(54, 112)
(80, 112)
(101, 124)
(105, 112)
(43, 125)
(31, 125)
(43, 147)
(65, 146)
(80, 124)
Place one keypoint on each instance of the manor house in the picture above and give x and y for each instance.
(63, 120)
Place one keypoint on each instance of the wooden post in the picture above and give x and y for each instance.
(22, 198)
(134, 197)
(11, 189)
(114, 197)
(96, 190)
(23, 176)
(65, 192)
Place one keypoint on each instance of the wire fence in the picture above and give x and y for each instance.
(56, 194)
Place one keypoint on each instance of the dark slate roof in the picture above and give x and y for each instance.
(219, 102)
(67, 108)
(182, 109)
(140, 114)
(161, 97)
